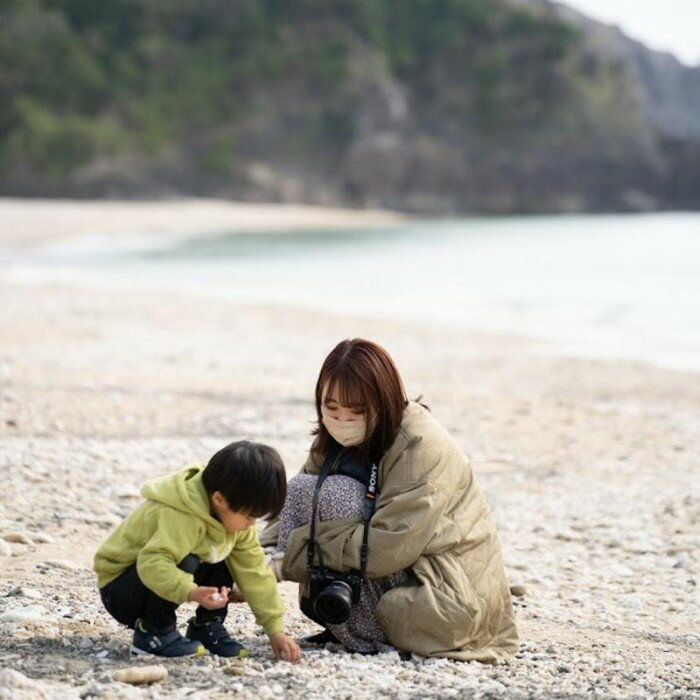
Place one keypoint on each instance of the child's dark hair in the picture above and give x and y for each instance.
(250, 476)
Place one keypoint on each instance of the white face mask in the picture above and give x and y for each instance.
(346, 432)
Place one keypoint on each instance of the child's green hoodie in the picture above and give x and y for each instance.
(176, 521)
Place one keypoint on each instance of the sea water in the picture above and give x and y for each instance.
(592, 285)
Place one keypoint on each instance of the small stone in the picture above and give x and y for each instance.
(32, 612)
(24, 592)
(63, 564)
(518, 591)
(19, 685)
(563, 669)
(681, 562)
(16, 537)
(568, 536)
(106, 520)
(41, 538)
(127, 492)
(92, 691)
(141, 674)
(234, 669)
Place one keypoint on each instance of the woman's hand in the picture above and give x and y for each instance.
(210, 597)
(275, 563)
(285, 648)
(235, 596)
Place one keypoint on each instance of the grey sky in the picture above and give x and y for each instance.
(669, 25)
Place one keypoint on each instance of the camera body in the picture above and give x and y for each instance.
(331, 594)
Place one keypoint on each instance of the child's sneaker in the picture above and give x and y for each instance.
(166, 644)
(214, 636)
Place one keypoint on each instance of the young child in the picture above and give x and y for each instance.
(192, 538)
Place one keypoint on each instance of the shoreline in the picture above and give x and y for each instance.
(54, 241)
(31, 222)
(546, 345)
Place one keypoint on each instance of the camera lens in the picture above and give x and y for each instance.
(334, 602)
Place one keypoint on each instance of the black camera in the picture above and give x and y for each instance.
(332, 594)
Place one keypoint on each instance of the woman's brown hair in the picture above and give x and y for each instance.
(367, 380)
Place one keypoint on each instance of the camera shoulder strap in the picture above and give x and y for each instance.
(369, 506)
(368, 511)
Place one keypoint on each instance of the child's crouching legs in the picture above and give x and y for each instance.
(127, 599)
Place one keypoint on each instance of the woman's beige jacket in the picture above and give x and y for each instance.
(430, 517)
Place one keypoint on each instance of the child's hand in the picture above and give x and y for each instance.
(210, 597)
(285, 648)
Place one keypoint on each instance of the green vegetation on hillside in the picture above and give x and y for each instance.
(426, 105)
(84, 83)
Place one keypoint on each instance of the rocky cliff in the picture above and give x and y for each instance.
(667, 96)
(432, 106)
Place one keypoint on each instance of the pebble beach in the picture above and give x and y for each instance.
(590, 467)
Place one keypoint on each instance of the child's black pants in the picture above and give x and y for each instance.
(127, 599)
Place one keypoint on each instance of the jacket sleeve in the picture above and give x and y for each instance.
(406, 519)
(175, 536)
(256, 581)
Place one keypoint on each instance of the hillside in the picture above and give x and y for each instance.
(433, 106)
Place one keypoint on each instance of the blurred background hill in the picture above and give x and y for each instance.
(430, 106)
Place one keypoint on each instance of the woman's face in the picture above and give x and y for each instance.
(345, 424)
(333, 407)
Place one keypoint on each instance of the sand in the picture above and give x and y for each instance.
(590, 466)
(27, 222)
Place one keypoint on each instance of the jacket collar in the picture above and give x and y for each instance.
(407, 435)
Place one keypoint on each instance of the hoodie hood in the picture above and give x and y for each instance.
(184, 491)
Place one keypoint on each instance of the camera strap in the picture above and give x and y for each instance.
(368, 511)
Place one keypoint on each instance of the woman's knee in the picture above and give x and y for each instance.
(301, 482)
(342, 497)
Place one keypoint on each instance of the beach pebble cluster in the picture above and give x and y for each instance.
(590, 469)
(592, 579)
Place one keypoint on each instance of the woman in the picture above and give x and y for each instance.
(437, 585)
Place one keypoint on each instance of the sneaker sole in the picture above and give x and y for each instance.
(201, 651)
(135, 651)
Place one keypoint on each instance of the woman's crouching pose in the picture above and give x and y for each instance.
(434, 582)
